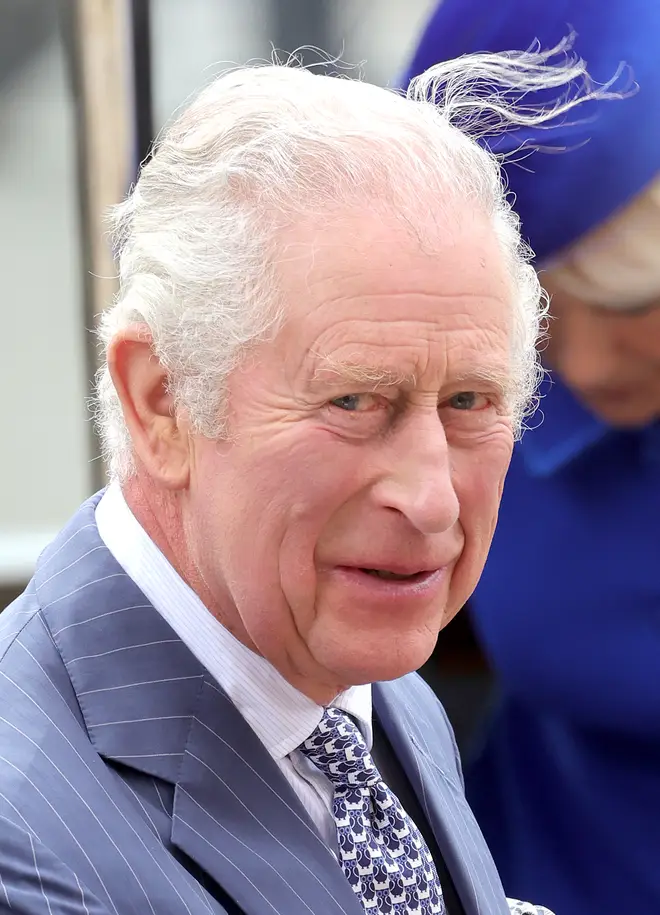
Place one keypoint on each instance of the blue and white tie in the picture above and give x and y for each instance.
(383, 854)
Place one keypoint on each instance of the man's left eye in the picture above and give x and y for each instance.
(468, 400)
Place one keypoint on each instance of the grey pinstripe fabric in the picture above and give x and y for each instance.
(130, 784)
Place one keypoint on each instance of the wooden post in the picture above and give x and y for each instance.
(101, 51)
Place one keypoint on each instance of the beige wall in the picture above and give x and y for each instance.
(44, 449)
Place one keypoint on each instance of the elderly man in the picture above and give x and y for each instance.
(322, 349)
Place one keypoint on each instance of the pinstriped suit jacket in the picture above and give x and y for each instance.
(130, 784)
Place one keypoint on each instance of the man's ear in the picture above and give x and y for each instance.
(160, 440)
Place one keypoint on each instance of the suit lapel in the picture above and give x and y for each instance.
(135, 681)
(237, 817)
(148, 704)
(417, 739)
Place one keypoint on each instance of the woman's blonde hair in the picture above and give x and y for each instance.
(617, 265)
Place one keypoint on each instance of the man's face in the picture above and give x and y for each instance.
(348, 516)
(610, 359)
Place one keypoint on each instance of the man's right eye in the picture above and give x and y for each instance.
(359, 403)
(351, 403)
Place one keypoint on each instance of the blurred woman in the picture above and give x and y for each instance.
(567, 782)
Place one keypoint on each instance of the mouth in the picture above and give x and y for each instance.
(392, 580)
(378, 587)
(388, 575)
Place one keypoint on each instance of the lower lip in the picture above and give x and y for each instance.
(420, 589)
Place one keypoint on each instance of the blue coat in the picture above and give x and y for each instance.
(567, 786)
(130, 784)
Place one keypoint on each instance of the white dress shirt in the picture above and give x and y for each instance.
(280, 715)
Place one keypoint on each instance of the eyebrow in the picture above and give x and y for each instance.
(495, 377)
(352, 372)
(346, 370)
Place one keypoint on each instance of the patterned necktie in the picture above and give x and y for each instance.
(387, 862)
(516, 907)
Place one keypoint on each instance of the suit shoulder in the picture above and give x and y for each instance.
(16, 617)
(52, 886)
(431, 718)
(40, 710)
(28, 654)
(420, 694)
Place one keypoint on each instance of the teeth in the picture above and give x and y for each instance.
(383, 573)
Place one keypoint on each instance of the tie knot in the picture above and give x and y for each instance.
(338, 749)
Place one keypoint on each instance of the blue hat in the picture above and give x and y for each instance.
(561, 196)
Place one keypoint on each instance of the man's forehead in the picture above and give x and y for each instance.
(368, 247)
(384, 313)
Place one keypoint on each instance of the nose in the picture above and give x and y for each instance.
(418, 480)
(582, 351)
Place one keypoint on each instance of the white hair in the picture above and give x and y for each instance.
(262, 146)
(617, 265)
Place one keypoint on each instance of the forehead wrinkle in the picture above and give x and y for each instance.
(457, 364)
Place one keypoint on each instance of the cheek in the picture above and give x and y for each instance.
(329, 477)
(262, 510)
(305, 480)
(479, 481)
(479, 488)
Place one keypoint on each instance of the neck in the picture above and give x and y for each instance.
(161, 514)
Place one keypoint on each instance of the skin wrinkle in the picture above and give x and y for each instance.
(325, 362)
(340, 280)
(259, 524)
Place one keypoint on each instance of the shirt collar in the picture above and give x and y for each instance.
(279, 714)
(560, 431)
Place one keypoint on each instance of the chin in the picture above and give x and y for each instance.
(380, 662)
